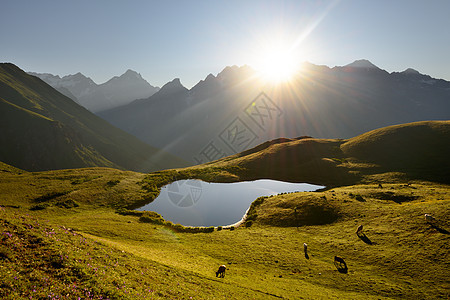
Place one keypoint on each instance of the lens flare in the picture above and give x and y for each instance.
(277, 64)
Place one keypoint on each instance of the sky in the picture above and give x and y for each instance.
(163, 40)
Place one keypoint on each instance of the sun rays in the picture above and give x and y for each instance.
(277, 65)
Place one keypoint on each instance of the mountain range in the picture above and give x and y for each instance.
(117, 91)
(41, 129)
(236, 110)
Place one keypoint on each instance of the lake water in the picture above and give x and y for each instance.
(199, 203)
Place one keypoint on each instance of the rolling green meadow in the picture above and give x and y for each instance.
(73, 233)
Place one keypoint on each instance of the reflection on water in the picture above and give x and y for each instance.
(199, 203)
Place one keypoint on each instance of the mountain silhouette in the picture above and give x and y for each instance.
(322, 102)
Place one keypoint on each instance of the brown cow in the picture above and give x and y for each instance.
(221, 271)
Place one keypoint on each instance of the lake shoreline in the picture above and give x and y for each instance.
(195, 203)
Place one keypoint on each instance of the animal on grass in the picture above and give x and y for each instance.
(221, 271)
(305, 248)
(359, 229)
(429, 218)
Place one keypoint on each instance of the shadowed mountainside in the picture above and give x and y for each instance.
(42, 129)
(322, 102)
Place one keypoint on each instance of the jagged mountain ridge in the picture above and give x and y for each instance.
(41, 129)
(119, 90)
(319, 101)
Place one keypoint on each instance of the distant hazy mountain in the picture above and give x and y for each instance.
(236, 110)
(115, 92)
(41, 129)
(362, 63)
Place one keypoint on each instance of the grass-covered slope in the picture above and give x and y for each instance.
(62, 237)
(42, 260)
(115, 253)
(414, 151)
(419, 149)
(41, 129)
(35, 142)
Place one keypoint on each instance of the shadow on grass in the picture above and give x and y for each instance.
(340, 265)
(363, 237)
(341, 268)
(439, 229)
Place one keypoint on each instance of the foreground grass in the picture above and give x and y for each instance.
(40, 261)
(107, 255)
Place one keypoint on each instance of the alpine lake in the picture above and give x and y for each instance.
(198, 203)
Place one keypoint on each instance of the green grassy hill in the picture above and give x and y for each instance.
(66, 233)
(41, 129)
(418, 149)
(409, 151)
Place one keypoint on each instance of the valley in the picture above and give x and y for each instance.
(74, 231)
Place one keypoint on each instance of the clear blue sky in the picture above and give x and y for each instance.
(163, 40)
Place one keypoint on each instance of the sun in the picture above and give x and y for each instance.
(277, 65)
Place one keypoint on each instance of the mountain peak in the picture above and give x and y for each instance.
(232, 74)
(362, 63)
(174, 82)
(172, 86)
(210, 77)
(78, 77)
(410, 71)
(131, 74)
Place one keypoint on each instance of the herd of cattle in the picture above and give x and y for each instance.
(339, 262)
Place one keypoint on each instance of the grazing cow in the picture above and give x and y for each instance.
(359, 229)
(305, 248)
(429, 218)
(221, 271)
